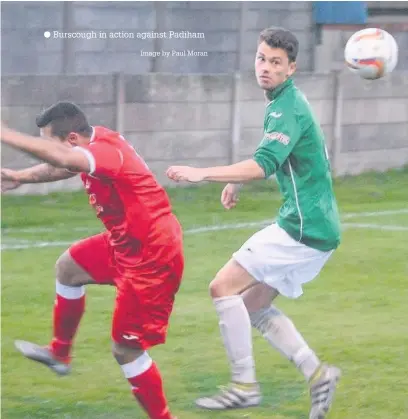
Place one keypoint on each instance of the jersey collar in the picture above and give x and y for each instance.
(93, 135)
(274, 93)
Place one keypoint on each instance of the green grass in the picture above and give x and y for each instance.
(355, 314)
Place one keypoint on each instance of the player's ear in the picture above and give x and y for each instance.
(292, 68)
(72, 138)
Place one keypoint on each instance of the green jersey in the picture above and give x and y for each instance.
(293, 148)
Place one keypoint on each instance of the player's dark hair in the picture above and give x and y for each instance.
(281, 38)
(63, 118)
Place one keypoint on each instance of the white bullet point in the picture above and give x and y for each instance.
(47, 34)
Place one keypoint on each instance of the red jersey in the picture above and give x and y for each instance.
(129, 201)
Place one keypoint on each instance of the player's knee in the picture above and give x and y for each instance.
(218, 288)
(125, 354)
(232, 279)
(69, 273)
(64, 269)
(213, 289)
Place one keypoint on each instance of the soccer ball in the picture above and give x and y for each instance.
(371, 53)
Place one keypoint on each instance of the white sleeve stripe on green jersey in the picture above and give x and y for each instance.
(297, 201)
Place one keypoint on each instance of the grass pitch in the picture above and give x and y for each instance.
(354, 315)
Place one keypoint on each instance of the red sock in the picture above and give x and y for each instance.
(148, 390)
(67, 315)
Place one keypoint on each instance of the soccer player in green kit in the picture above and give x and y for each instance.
(282, 257)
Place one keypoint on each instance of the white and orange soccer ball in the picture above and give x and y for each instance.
(371, 53)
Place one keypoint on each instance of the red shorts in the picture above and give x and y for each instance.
(145, 294)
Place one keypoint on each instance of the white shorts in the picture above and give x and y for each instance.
(272, 257)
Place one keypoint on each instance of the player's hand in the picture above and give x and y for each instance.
(186, 173)
(229, 196)
(9, 180)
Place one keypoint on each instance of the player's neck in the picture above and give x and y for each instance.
(274, 93)
(83, 141)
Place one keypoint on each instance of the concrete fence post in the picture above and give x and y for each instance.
(337, 122)
(68, 51)
(159, 25)
(235, 118)
(120, 101)
(236, 93)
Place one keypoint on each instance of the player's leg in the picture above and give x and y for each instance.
(278, 329)
(86, 262)
(288, 266)
(282, 334)
(143, 307)
(144, 378)
(235, 328)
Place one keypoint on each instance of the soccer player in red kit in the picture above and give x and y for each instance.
(141, 251)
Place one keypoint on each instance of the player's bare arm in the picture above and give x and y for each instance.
(50, 151)
(12, 179)
(39, 173)
(241, 172)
